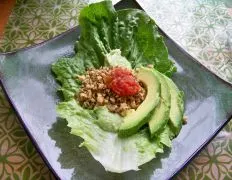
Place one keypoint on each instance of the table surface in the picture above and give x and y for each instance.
(203, 28)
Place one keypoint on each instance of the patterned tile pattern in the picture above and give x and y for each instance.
(203, 28)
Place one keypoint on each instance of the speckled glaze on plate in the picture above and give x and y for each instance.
(31, 88)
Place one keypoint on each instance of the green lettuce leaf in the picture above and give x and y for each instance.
(103, 30)
(66, 71)
(132, 31)
(140, 41)
(114, 153)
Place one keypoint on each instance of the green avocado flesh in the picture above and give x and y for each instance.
(160, 115)
(177, 106)
(133, 121)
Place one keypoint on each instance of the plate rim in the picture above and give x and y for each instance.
(37, 147)
(32, 139)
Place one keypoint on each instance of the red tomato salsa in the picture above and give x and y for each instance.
(123, 82)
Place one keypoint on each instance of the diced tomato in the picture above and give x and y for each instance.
(123, 83)
(119, 72)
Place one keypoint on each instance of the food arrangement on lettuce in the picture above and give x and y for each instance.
(118, 96)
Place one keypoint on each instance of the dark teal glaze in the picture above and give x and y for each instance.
(28, 81)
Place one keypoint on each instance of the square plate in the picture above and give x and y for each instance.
(31, 88)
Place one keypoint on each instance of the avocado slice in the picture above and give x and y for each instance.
(133, 121)
(177, 106)
(160, 115)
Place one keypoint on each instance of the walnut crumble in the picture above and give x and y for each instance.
(94, 92)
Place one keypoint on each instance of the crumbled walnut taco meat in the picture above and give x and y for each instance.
(115, 87)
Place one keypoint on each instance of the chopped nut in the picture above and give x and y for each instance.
(112, 99)
(111, 107)
(106, 101)
(94, 86)
(89, 92)
(107, 90)
(185, 119)
(103, 74)
(123, 113)
(83, 96)
(99, 78)
(123, 106)
(92, 100)
(100, 98)
(81, 77)
(89, 86)
(133, 105)
(101, 86)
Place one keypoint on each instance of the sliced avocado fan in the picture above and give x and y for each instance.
(160, 115)
(133, 121)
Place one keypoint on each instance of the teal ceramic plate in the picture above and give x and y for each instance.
(31, 88)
